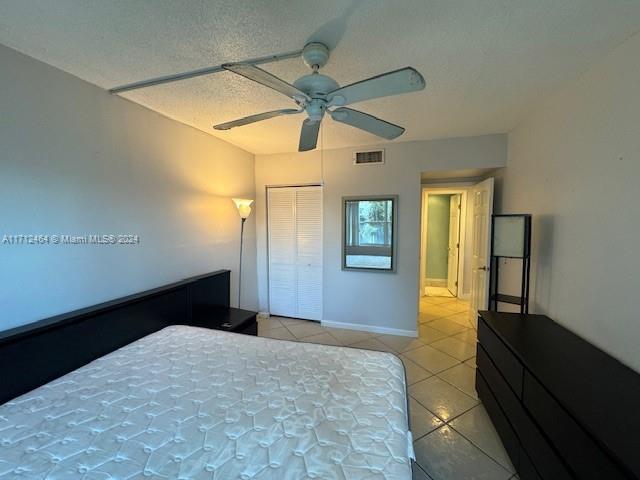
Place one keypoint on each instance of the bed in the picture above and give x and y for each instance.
(194, 403)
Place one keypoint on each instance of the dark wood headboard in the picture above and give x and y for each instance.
(34, 354)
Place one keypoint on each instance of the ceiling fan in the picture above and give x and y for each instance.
(314, 94)
(317, 94)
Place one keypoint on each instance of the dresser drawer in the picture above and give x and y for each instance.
(507, 435)
(586, 458)
(527, 471)
(509, 366)
(545, 460)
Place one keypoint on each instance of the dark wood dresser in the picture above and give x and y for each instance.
(563, 408)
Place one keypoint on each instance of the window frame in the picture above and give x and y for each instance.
(392, 248)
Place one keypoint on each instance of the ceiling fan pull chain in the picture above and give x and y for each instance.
(322, 155)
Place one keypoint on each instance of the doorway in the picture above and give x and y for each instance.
(443, 241)
(455, 232)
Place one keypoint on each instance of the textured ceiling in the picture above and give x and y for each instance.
(486, 63)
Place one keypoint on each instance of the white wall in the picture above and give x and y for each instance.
(378, 300)
(574, 164)
(76, 160)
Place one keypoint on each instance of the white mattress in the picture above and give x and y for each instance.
(191, 403)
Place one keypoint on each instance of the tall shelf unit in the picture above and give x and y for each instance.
(511, 240)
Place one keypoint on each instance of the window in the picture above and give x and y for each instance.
(368, 241)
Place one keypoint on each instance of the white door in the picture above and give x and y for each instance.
(282, 251)
(295, 252)
(309, 252)
(482, 195)
(454, 244)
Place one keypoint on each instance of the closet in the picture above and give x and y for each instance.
(295, 251)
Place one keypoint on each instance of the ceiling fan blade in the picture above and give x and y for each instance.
(256, 118)
(265, 78)
(400, 81)
(367, 122)
(199, 72)
(309, 135)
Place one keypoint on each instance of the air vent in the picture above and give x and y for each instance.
(369, 157)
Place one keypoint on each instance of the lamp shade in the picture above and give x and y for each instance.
(244, 206)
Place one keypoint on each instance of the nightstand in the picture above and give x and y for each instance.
(227, 319)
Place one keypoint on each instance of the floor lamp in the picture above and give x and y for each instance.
(244, 209)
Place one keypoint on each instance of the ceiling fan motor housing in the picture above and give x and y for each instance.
(316, 85)
(315, 55)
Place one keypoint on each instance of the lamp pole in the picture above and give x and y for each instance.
(242, 220)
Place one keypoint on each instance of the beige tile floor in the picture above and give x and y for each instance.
(453, 436)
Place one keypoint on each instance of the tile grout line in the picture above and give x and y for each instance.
(445, 422)
(509, 472)
(429, 477)
(454, 386)
(440, 350)
(478, 447)
(426, 324)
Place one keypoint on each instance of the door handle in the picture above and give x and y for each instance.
(484, 269)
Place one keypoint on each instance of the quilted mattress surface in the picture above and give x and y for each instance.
(192, 403)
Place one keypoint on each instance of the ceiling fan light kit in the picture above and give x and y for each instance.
(315, 94)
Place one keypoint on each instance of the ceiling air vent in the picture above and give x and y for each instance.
(369, 157)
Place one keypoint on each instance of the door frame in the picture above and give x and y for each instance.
(266, 224)
(424, 212)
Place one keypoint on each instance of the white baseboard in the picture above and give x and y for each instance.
(436, 282)
(370, 328)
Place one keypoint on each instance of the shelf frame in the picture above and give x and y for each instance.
(496, 298)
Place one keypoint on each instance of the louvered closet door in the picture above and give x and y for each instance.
(309, 254)
(282, 252)
(295, 252)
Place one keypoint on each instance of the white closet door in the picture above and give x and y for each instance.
(309, 252)
(295, 252)
(282, 252)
